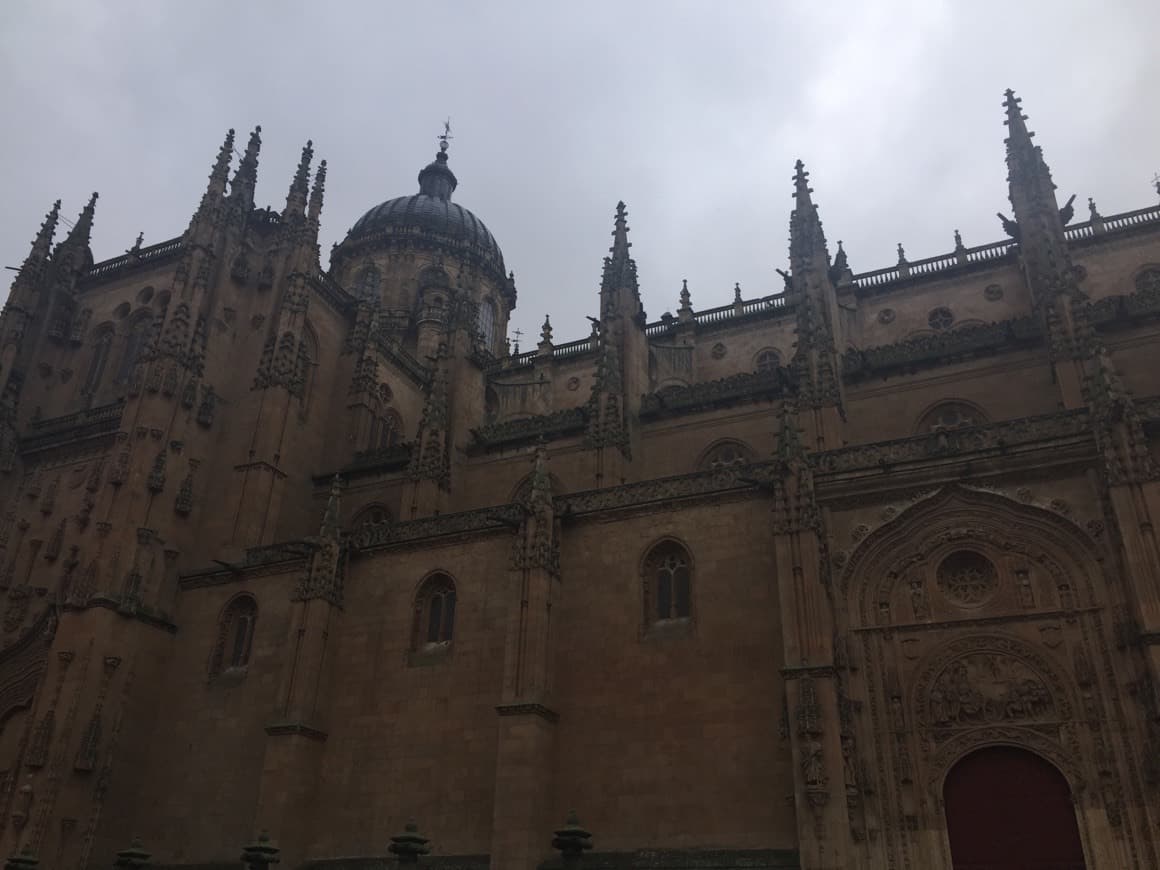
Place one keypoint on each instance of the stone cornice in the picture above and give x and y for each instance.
(941, 348)
(558, 424)
(993, 437)
(722, 393)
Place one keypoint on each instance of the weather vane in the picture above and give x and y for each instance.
(445, 139)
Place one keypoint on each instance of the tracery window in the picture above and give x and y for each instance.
(727, 454)
(235, 636)
(367, 283)
(434, 623)
(386, 431)
(1148, 281)
(487, 324)
(950, 415)
(102, 347)
(134, 345)
(767, 360)
(371, 515)
(667, 583)
(940, 318)
(967, 578)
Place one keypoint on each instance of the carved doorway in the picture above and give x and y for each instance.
(1008, 809)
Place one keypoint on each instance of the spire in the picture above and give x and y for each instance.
(685, 310)
(807, 242)
(246, 176)
(619, 268)
(41, 245)
(82, 230)
(315, 207)
(296, 198)
(221, 168)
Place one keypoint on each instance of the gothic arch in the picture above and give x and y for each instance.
(521, 490)
(957, 514)
(1146, 279)
(949, 413)
(667, 595)
(725, 452)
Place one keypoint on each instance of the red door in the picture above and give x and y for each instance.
(1008, 809)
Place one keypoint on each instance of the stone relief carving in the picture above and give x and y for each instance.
(986, 688)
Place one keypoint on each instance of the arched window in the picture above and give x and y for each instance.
(134, 345)
(667, 583)
(434, 622)
(371, 515)
(387, 431)
(726, 454)
(1148, 281)
(950, 415)
(487, 324)
(767, 361)
(235, 636)
(307, 366)
(102, 347)
(368, 282)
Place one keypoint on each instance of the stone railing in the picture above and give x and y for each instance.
(997, 251)
(763, 306)
(90, 423)
(105, 268)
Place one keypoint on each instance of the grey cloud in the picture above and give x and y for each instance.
(692, 112)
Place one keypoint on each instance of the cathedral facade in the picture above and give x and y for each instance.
(862, 573)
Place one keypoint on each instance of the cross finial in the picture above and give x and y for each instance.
(445, 139)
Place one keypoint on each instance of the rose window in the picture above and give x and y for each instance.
(967, 578)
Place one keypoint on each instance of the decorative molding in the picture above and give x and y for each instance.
(941, 347)
(558, 424)
(992, 437)
(722, 393)
(285, 729)
(540, 710)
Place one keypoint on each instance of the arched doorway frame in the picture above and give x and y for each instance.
(877, 569)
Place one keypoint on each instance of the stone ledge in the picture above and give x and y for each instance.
(540, 710)
(285, 729)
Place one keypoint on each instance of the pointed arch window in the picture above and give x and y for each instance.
(368, 282)
(667, 583)
(235, 637)
(487, 324)
(386, 431)
(434, 617)
(102, 347)
(134, 346)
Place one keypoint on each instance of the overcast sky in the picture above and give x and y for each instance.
(691, 112)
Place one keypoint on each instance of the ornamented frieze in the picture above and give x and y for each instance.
(946, 346)
(722, 393)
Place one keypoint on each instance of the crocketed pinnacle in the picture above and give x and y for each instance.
(806, 239)
(619, 267)
(296, 198)
(246, 175)
(316, 192)
(82, 230)
(221, 168)
(42, 244)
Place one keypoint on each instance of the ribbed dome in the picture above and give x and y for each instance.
(430, 214)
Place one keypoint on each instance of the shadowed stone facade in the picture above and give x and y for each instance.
(315, 551)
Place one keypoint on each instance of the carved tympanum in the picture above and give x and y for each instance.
(985, 688)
